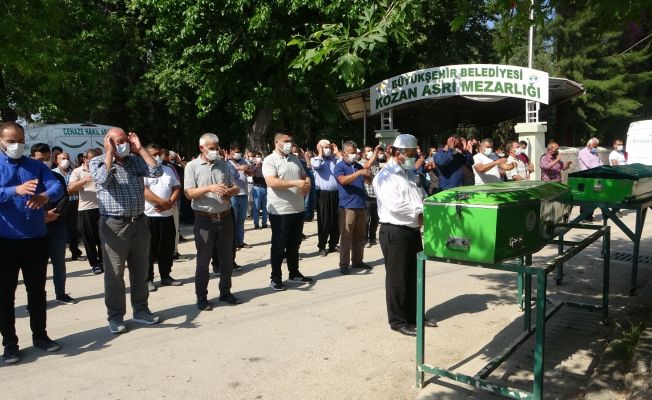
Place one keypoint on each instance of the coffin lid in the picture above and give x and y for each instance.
(502, 193)
(631, 172)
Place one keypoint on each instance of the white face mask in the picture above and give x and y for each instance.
(487, 152)
(619, 147)
(259, 160)
(287, 148)
(212, 155)
(296, 154)
(122, 149)
(353, 158)
(63, 164)
(327, 151)
(409, 163)
(15, 150)
(158, 159)
(369, 154)
(381, 156)
(518, 151)
(237, 156)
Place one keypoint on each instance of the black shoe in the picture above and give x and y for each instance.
(183, 239)
(230, 298)
(277, 285)
(335, 249)
(299, 278)
(179, 257)
(303, 237)
(344, 270)
(245, 246)
(406, 329)
(46, 344)
(264, 226)
(204, 305)
(256, 227)
(237, 267)
(362, 265)
(11, 354)
(170, 281)
(430, 323)
(323, 252)
(98, 269)
(65, 299)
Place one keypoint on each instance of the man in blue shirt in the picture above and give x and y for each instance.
(350, 185)
(323, 165)
(26, 186)
(450, 161)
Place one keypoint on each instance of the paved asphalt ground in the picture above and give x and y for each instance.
(330, 340)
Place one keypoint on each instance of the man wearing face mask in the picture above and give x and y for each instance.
(350, 182)
(55, 220)
(64, 169)
(161, 196)
(588, 158)
(618, 155)
(26, 186)
(400, 208)
(82, 183)
(259, 193)
(521, 171)
(209, 183)
(451, 161)
(372, 160)
(287, 184)
(328, 230)
(551, 164)
(486, 169)
(240, 170)
(118, 176)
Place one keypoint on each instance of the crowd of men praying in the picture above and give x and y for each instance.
(127, 200)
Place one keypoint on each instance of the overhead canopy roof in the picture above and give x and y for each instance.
(480, 110)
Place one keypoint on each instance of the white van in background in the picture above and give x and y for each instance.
(72, 138)
(639, 142)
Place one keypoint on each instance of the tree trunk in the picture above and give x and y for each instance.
(259, 128)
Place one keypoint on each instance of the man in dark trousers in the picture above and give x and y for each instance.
(26, 186)
(323, 165)
(400, 209)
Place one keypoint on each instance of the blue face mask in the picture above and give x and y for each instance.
(594, 150)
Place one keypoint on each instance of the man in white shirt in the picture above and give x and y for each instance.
(487, 170)
(520, 171)
(161, 195)
(617, 155)
(400, 211)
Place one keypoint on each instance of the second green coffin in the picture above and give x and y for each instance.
(493, 222)
(612, 184)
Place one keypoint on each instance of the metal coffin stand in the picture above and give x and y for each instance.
(525, 272)
(611, 189)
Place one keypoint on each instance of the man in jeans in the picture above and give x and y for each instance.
(287, 184)
(350, 183)
(259, 193)
(209, 184)
(123, 227)
(240, 169)
(26, 186)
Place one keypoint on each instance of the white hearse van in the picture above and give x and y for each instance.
(639, 142)
(72, 138)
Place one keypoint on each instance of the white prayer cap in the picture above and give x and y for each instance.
(324, 143)
(405, 141)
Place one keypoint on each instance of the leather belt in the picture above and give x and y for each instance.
(123, 219)
(219, 215)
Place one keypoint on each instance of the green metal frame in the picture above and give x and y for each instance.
(526, 272)
(609, 211)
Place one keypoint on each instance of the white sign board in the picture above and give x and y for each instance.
(639, 142)
(473, 80)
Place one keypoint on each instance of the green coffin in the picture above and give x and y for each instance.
(493, 222)
(611, 184)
